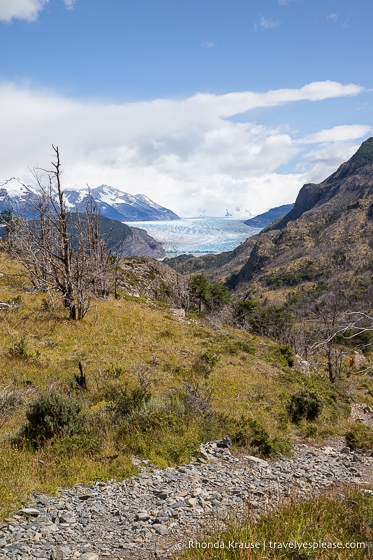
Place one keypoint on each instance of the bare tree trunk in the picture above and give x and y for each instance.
(61, 252)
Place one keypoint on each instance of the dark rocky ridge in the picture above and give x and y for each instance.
(121, 239)
(328, 232)
(139, 243)
(265, 219)
(313, 194)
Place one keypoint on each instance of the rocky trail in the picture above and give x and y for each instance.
(156, 514)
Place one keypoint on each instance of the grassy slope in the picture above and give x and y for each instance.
(345, 524)
(117, 340)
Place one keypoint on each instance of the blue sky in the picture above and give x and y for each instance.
(205, 104)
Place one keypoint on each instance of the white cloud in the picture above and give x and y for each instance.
(323, 161)
(185, 154)
(338, 134)
(21, 9)
(208, 44)
(333, 16)
(25, 9)
(269, 23)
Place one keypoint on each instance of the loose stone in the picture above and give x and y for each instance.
(156, 513)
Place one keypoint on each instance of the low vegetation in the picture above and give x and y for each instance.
(154, 386)
(97, 367)
(326, 527)
(360, 436)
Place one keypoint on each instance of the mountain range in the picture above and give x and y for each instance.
(114, 207)
(111, 203)
(325, 238)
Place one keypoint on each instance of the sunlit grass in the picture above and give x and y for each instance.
(304, 525)
(118, 340)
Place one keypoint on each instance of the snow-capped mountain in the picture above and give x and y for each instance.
(111, 202)
(18, 196)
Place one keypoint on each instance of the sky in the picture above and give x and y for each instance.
(200, 105)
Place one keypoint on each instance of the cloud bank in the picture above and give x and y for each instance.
(185, 154)
(21, 9)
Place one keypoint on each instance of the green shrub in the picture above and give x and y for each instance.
(126, 399)
(52, 414)
(288, 354)
(248, 432)
(201, 369)
(248, 305)
(360, 436)
(206, 293)
(20, 349)
(305, 405)
(210, 358)
(169, 430)
(204, 365)
(272, 321)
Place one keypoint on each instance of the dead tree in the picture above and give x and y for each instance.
(61, 250)
(329, 318)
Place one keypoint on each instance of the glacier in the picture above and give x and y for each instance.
(198, 236)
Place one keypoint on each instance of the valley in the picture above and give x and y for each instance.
(235, 381)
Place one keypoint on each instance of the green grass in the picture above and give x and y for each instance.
(325, 519)
(134, 341)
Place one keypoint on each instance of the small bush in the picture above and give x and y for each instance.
(195, 399)
(305, 405)
(201, 369)
(360, 436)
(204, 365)
(20, 349)
(248, 432)
(210, 358)
(288, 354)
(50, 415)
(272, 321)
(126, 399)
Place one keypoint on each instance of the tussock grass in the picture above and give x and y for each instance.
(58, 464)
(325, 519)
(133, 341)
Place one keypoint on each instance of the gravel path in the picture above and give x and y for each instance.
(156, 513)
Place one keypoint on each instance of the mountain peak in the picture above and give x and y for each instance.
(364, 155)
(111, 202)
(15, 187)
(342, 185)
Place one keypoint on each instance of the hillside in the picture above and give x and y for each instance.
(326, 235)
(145, 385)
(194, 382)
(121, 239)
